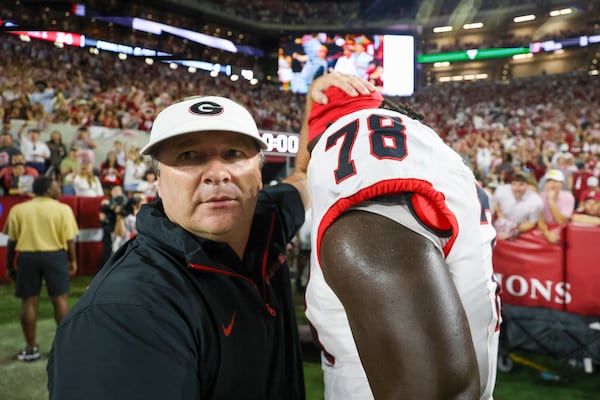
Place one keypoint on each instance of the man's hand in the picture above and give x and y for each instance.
(552, 195)
(72, 268)
(350, 84)
(552, 236)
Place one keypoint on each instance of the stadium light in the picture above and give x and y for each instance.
(564, 11)
(440, 29)
(459, 78)
(474, 25)
(522, 56)
(524, 18)
(247, 74)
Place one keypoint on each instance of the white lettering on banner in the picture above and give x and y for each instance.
(286, 143)
(64, 37)
(520, 286)
(87, 235)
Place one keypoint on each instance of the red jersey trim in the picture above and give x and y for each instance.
(393, 187)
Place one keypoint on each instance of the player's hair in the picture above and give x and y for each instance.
(403, 108)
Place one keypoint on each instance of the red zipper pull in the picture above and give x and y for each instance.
(270, 310)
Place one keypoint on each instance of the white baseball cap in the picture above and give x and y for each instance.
(201, 114)
(555, 175)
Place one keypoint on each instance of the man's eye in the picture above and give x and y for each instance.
(188, 155)
(234, 154)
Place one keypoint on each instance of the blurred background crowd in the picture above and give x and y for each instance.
(530, 124)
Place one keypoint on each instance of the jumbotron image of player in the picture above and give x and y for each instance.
(401, 293)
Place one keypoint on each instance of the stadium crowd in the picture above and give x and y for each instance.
(499, 129)
(533, 143)
(276, 14)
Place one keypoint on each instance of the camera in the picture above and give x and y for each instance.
(120, 200)
(120, 205)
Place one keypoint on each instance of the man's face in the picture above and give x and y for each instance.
(553, 185)
(590, 207)
(5, 140)
(116, 191)
(54, 190)
(518, 188)
(17, 158)
(209, 182)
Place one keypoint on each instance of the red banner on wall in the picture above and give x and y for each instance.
(531, 272)
(583, 268)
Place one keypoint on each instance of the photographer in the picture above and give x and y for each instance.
(111, 212)
(125, 220)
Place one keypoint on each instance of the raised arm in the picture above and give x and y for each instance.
(316, 93)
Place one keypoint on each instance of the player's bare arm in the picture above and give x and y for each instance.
(406, 317)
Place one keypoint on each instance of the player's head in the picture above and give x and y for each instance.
(340, 104)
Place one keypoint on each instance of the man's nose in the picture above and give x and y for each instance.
(216, 171)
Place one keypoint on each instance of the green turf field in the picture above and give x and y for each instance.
(27, 381)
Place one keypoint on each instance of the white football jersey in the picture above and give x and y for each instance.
(370, 160)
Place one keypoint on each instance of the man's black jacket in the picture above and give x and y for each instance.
(173, 316)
